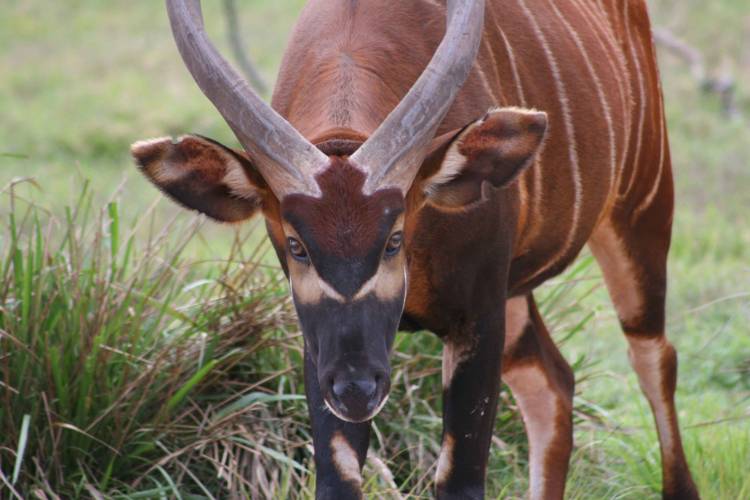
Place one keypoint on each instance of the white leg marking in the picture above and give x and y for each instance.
(516, 319)
(445, 461)
(538, 409)
(453, 355)
(647, 358)
(619, 275)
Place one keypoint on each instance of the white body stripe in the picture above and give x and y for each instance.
(599, 90)
(641, 101)
(526, 205)
(514, 69)
(570, 132)
(662, 154)
(618, 66)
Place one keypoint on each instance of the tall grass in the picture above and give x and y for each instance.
(129, 370)
(108, 338)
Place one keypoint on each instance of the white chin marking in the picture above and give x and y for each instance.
(347, 419)
(339, 415)
(380, 406)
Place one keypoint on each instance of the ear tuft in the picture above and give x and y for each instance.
(201, 174)
(148, 151)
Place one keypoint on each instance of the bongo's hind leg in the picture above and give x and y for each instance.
(542, 383)
(632, 253)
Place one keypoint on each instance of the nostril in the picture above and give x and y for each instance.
(367, 387)
(362, 388)
(339, 388)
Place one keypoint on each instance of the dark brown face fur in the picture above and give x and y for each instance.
(348, 289)
(344, 231)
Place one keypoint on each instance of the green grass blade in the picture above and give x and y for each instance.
(252, 398)
(178, 397)
(114, 235)
(21, 450)
(170, 481)
(26, 290)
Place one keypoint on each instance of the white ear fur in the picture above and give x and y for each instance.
(452, 166)
(236, 179)
(138, 146)
(168, 172)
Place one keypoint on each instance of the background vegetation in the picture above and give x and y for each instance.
(147, 354)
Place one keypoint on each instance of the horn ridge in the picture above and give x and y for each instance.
(394, 151)
(287, 160)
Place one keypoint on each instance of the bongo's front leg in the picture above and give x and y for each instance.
(471, 384)
(340, 447)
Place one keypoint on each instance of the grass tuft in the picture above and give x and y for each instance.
(130, 370)
(105, 354)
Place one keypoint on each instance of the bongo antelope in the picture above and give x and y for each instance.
(408, 181)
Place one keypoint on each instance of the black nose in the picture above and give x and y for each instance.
(355, 395)
(359, 388)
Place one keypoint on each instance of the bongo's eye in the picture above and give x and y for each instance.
(297, 250)
(394, 244)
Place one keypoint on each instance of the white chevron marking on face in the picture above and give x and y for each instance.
(388, 282)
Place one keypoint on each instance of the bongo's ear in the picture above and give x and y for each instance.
(203, 175)
(493, 150)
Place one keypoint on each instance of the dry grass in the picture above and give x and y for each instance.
(128, 370)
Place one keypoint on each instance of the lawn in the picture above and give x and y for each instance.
(148, 353)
